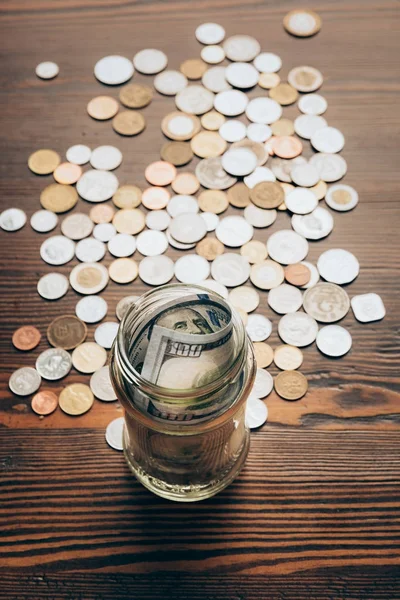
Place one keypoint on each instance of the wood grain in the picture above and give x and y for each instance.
(315, 512)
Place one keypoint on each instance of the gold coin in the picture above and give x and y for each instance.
(291, 385)
(76, 399)
(283, 127)
(210, 248)
(267, 194)
(238, 195)
(43, 162)
(127, 196)
(319, 190)
(177, 153)
(213, 201)
(129, 220)
(129, 122)
(89, 357)
(288, 358)
(263, 354)
(208, 144)
(268, 80)
(180, 126)
(123, 270)
(244, 297)
(193, 68)
(135, 95)
(302, 23)
(254, 251)
(66, 332)
(212, 120)
(58, 198)
(185, 183)
(102, 108)
(284, 94)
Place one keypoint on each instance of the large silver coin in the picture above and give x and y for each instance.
(334, 340)
(194, 100)
(314, 226)
(152, 243)
(150, 61)
(57, 250)
(301, 201)
(338, 266)
(306, 125)
(285, 299)
(170, 83)
(326, 302)
(77, 226)
(331, 167)
(328, 139)
(182, 204)
(230, 269)
(259, 217)
(263, 110)
(158, 220)
(113, 70)
(234, 231)
(106, 158)
(122, 245)
(239, 161)
(210, 33)
(156, 270)
(12, 219)
(263, 384)
(231, 103)
(312, 104)
(287, 247)
(54, 363)
(53, 286)
(78, 154)
(97, 186)
(192, 268)
(298, 329)
(241, 48)
(242, 75)
(25, 381)
(187, 228)
(101, 386)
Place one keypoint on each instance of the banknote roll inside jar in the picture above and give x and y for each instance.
(182, 366)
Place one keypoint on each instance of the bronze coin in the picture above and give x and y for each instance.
(290, 385)
(26, 337)
(210, 248)
(297, 274)
(43, 162)
(58, 198)
(283, 127)
(102, 108)
(177, 153)
(44, 402)
(238, 195)
(135, 95)
(129, 122)
(102, 213)
(66, 332)
(284, 94)
(127, 196)
(267, 194)
(193, 68)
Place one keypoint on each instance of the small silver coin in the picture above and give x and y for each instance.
(78, 154)
(53, 286)
(192, 268)
(12, 219)
(287, 247)
(314, 226)
(156, 270)
(91, 309)
(43, 221)
(53, 364)
(152, 243)
(105, 333)
(210, 33)
(114, 433)
(24, 381)
(90, 250)
(158, 220)
(101, 386)
(122, 245)
(170, 83)
(150, 61)
(298, 329)
(285, 299)
(104, 232)
(47, 70)
(106, 158)
(188, 228)
(333, 340)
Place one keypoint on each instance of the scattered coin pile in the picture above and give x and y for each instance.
(184, 206)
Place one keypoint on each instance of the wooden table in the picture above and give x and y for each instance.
(314, 513)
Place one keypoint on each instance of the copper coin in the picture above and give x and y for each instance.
(282, 127)
(297, 274)
(212, 120)
(58, 198)
(102, 108)
(238, 195)
(268, 80)
(290, 385)
(213, 201)
(135, 95)
(160, 173)
(263, 354)
(193, 68)
(155, 198)
(267, 194)
(286, 146)
(44, 402)
(66, 332)
(127, 196)
(26, 337)
(210, 248)
(67, 173)
(176, 153)
(102, 213)
(43, 162)
(129, 122)
(180, 126)
(185, 183)
(284, 94)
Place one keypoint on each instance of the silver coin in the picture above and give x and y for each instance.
(233, 130)
(211, 174)
(298, 329)
(150, 61)
(309, 83)
(43, 221)
(194, 100)
(230, 269)
(312, 104)
(210, 33)
(106, 158)
(178, 245)
(152, 243)
(259, 328)
(306, 125)
(214, 80)
(282, 167)
(234, 231)
(124, 304)
(53, 286)
(212, 54)
(341, 197)
(115, 432)
(215, 286)
(241, 48)
(170, 83)
(287, 247)
(331, 167)
(239, 161)
(259, 217)
(90, 250)
(326, 302)
(304, 175)
(263, 384)
(12, 219)
(158, 220)
(105, 334)
(91, 309)
(98, 274)
(192, 268)
(328, 139)
(156, 270)
(181, 125)
(314, 275)
(53, 364)
(338, 266)
(211, 220)
(242, 75)
(97, 186)
(314, 226)
(78, 154)
(368, 307)
(188, 228)
(57, 250)
(47, 70)
(301, 201)
(256, 412)
(77, 226)
(182, 204)
(104, 232)
(24, 381)
(333, 340)
(263, 110)
(267, 274)
(231, 103)
(285, 299)
(258, 132)
(101, 386)
(267, 62)
(258, 175)
(113, 70)
(122, 245)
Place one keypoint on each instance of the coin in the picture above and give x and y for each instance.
(179, 126)
(263, 354)
(181, 204)
(156, 270)
(263, 384)
(256, 412)
(211, 174)
(285, 299)
(152, 243)
(212, 54)
(67, 173)
(368, 307)
(263, 110)
(257, 132)
(231, 102)
(301, 201)
(185, 183)
(135, 95)
(306, 125)
(176, 153)
(193, 68)
(150, 61)
(103, 232)
(341, 197)
(102, 213)
(123, 270)
(302, 23)
(88, 278)
(288, 358)
(194, 100)
(88, 358)
(233, 130)
(24, 381)
(191, 268)
(160, 173)
(297, 329)
(282, 127)
(241, 48)
(26, 337)
(208, 144)
(53, 364)
(239, 161)
(125, 303)
(43, 162)
(266, 274)
(53, 286)
(102, 108)
(122, 245)
(57, 250)
(258, 327)
(328, 139)
(234, 231)
(113, 70)
(212, 120)
(287, 247)
(291, 385)
(127, 196)
(254, 251)
(76, 399)
(331, 167)
(210, 33)
(245, 298)
(78, 154)
(284, 93)
(96, 186)
(91, 309)
(155, 198)
(47, 70)
(297, 274)
(312, 104)
(114, 433)
(105, 333)
(305, 79)
(230, 269)
(213, 201)
(58, 198)
(44, 402)
(130, 221)
(268, 81)
(101, 386)
(77, 226)
(238, 195)
(210, 248)
(338, 266)
(304, 175)
(267, 62)
(43, 221)
(90, 250)
(67, 332)
(315, 225)
(241, 75)
(267, 194)
(214, 80)
(106, 158)
(129, 122)
(333, 340)
(286, 146)
(170, 83)
(326, 302)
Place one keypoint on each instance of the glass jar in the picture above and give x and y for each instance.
(182, 444)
